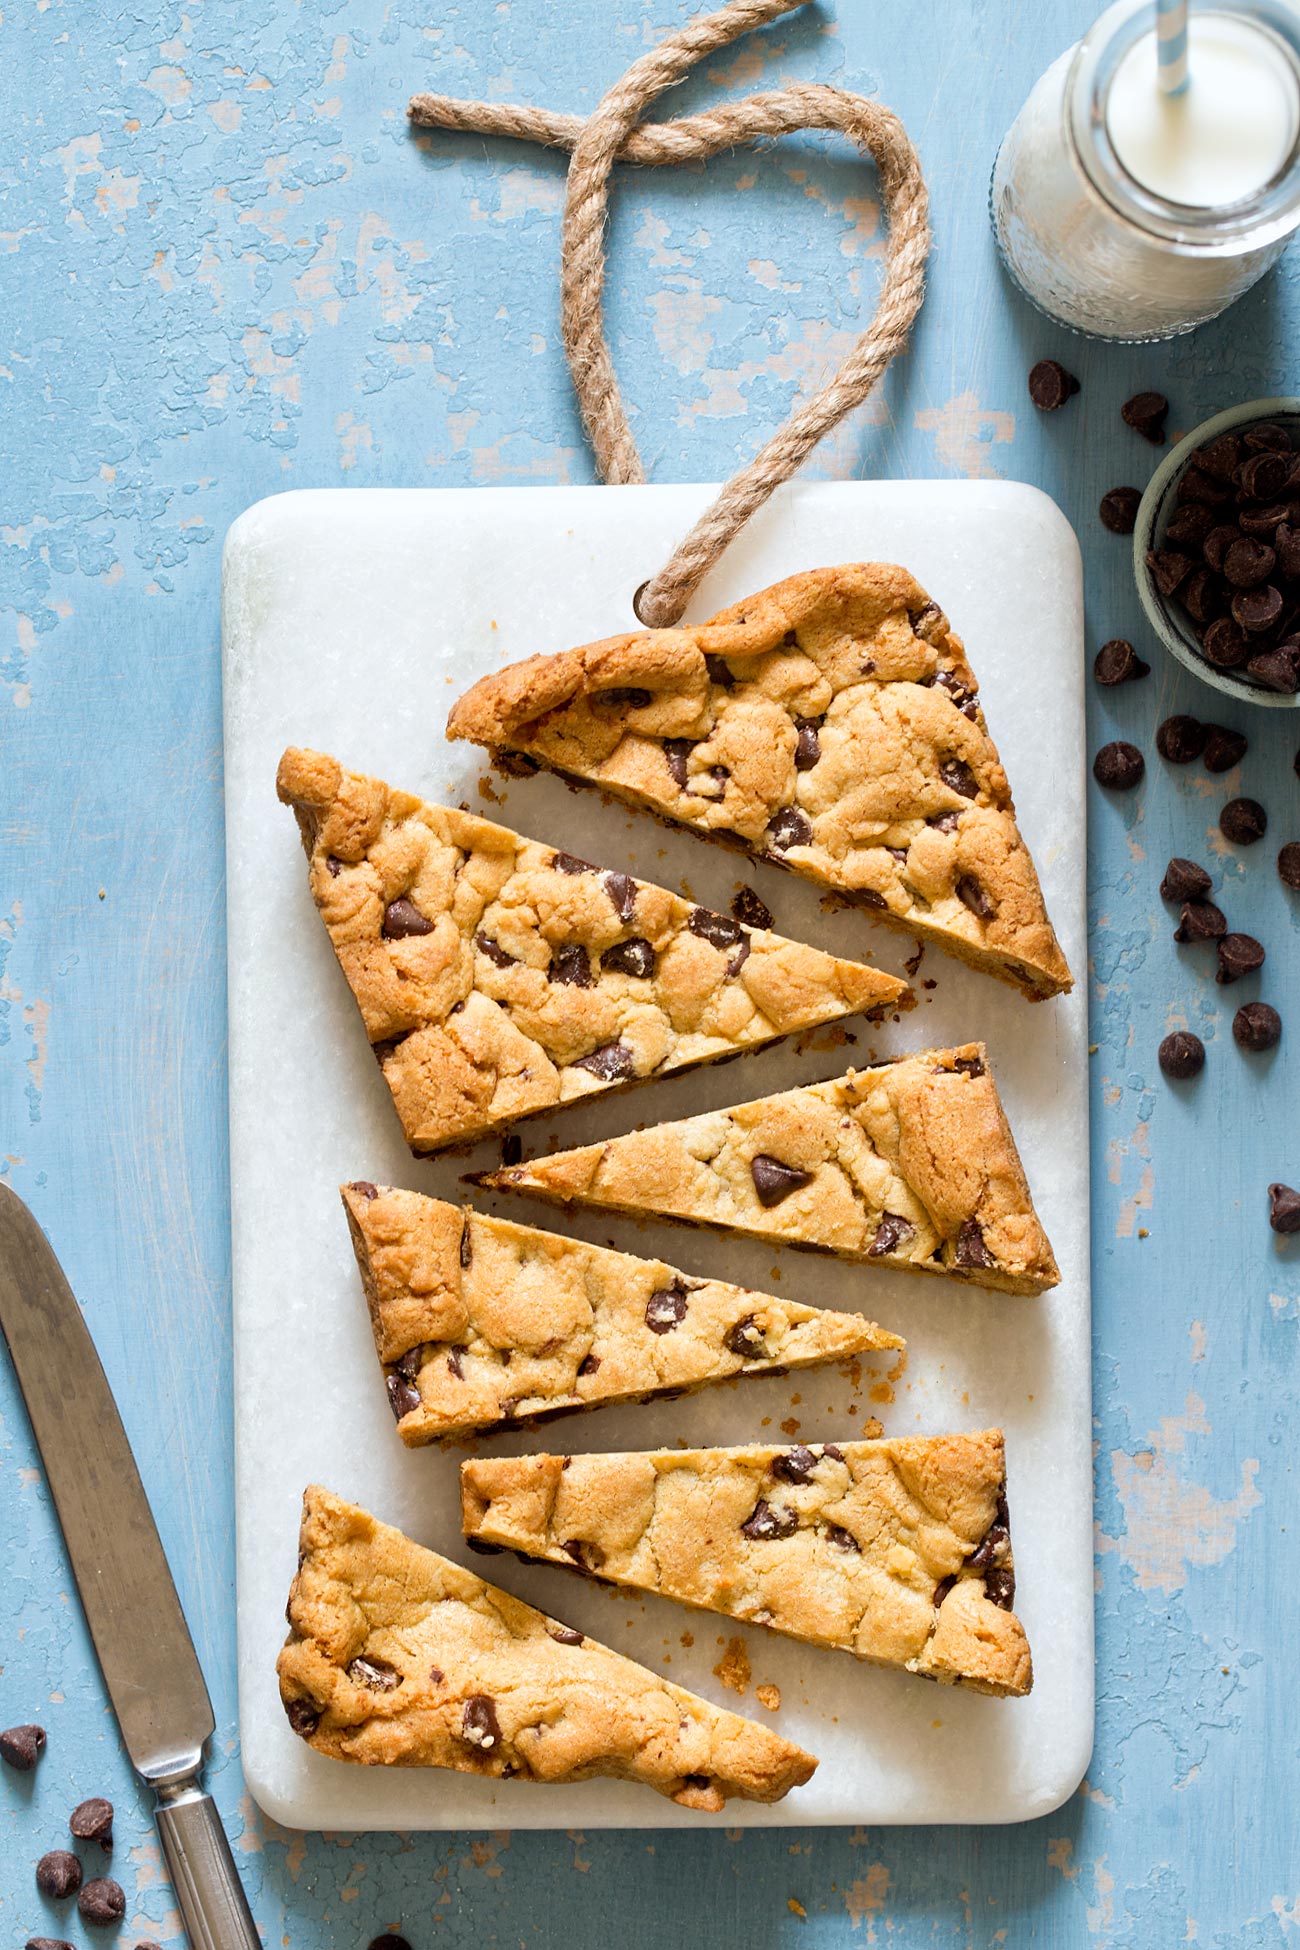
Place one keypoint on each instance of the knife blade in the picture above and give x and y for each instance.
(141, 1639)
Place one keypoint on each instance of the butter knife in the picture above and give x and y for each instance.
(143, 1643)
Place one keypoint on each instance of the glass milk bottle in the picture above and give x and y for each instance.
(1130, 214)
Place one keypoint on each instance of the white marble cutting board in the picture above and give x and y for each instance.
(351, 622)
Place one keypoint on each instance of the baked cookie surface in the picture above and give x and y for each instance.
(398, 1657)
(497, 977)
(898, 1551)
(830, 724)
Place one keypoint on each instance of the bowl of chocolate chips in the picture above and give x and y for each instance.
(1216, 551)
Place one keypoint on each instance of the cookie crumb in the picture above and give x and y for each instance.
(733, 1669)
(770, 1697)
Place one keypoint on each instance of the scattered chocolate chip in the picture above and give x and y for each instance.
(1169, 568)
(843, 1539)
(102, 1900)
(302, 1717)
(1248, 562)
(1239, 954)
(744, 1338)
(1288, 864)
(388, 1941)
(1118, 766)
(774, 1181)
(1117, 662)
(720, 672)
(403, 918)
(1119, 508)
(1180, 739)
(402, 1398)
(958, 777)
(479, 1724)
(1182, 1055)
(807, 746)
(1050, 385)
(891, 1233)
(971, 1248)
(766, 1521)
(1223, 748)
(1256, 1026)
(92, 1821)
(789, 828)
(1243, 821)
(570, 967)
(972, 895)
(1226, 645)
(612, 1063)
(1145, 413)
(1257, 610)
(1201, 921)
(376, 1675)
(666, 1308)
(58, 1874)
(621, 889)
(565, 1635)
(677, 752)
(1184, 881)
(22, 1747)
(749, 908)
(1283, 1208)
(1278, 669)
(716, 929)
(796, 1465)
(630, 696)
(48, 1943)
(632, 957)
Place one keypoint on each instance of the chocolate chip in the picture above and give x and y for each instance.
(748, 907)
(102, 1900)
(1248, 562)
(92, 1821)
(1119, 508)
(630, 696)
(995, 1542)
(843, 1539)
(891, 1233)
(1182, 1055)
(1180, 739)
(720, 672)
(402, 1398)
(1257, 610)
(942, 1589)
(1050, 385)
(385, 1047)
(666, 1308)
(1117, 662)
(1222, 457)
(1278, 669)
(589, 1364)
(1264, 522)
(570, 967)
(1283, 1208)
(1203, 596)
(796, 1465)
(570, 863)
(455, 1363)
(22, 1747)
(744, 1338)
(58, 1874)
(677, 752)
(1000, 1587)
(477, 1545)
(1145, 413)
(966, 1066)
(1243, 821)
(388, 1941)
(1226, 646)
(1201, 921)
(1256, 1026)
(612, 1063)
(1189, 527)
(565, 1635)
(972, 895)
(495, 953)
(1217, 543)
(807, 745)
(971, 1249)
(1266, 437)
(789, 828)
(479, 1724)
(621, 889)
(1223, 748)
(766, 1521)
(1288, 864)
(302, 1717)
(1198, 487)
(957, 775)
(1118, 766)
(774, 1181)
(1263, 476)
(512, 1148)
(1169, 567)
(945, 822)
(334, 865)
(403, 918)
(48, 1943)
(1239, 954)
(1286, 541)
(1184, 881)
(376, 1675)
(716, 929)
(632, 957)
(587, 1556)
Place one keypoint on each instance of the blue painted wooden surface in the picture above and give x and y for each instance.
(230, 269)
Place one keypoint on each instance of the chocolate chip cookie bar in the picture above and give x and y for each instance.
(497, 977)
(909, 1164)
(397, 1657)
(898, 1551)
(480, 1322)
(830, 724)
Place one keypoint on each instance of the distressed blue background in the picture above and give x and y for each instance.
(230, 269)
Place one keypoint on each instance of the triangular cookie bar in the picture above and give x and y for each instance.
(498, 978)
(898, 1551)
(830, 724)
(479, 1321)
(909, 1164)
(397, 1657)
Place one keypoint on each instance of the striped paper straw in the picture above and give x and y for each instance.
(1171, 45)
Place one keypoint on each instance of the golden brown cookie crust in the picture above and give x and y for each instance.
(397, 1657)
(911, 1164)
(498, 978)
(829, 724)
(479, 1321)
(898, 1551)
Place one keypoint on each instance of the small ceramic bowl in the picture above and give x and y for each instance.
(1170, 622)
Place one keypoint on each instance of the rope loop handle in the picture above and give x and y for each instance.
(614, 133)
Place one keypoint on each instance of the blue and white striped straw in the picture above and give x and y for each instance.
(1171, 45)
